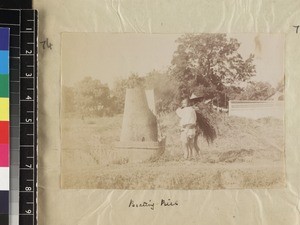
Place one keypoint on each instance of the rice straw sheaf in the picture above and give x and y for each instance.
(206, 127)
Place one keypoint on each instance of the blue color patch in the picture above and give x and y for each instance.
(4, 66)
(4, 38)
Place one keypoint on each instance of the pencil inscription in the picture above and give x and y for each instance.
(46, 44)
(151, 205)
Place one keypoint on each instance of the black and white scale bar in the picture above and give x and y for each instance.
(12, 19)
(28, 119)
(23, 115)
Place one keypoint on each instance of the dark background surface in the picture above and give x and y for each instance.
(16, 4)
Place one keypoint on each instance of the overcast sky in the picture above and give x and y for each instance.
(111, 56)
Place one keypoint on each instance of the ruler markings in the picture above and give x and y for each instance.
(35, 125)
(23, 26)
(11, 19)
(28, 106)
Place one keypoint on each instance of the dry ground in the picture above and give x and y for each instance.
(246, 154)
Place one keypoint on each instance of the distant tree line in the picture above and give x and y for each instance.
(204, 64)
(90, 97)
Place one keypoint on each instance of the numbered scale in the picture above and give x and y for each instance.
(28, 119)
(11, 20)
(23, 114)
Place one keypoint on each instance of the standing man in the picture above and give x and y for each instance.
(188, 120)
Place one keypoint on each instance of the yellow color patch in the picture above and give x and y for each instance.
(4, 109)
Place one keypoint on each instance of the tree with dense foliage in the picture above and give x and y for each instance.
(118, 92)
(280, 86)
(211, 62)
(119, 89)
(68, 99)
(92, 97)
(165, 89)
(257, 91)
(134, 80)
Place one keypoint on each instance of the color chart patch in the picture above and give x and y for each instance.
(4, 125)
(4, 97)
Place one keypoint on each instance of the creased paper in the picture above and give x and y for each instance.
(84, 207)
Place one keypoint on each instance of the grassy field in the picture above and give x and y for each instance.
(246, 154)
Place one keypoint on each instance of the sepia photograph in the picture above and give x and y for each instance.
(172, 111)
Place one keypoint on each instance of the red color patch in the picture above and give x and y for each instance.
(4, 155)
(4, 132)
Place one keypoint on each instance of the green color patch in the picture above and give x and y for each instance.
(4, 85)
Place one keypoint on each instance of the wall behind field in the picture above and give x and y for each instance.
(256, 109)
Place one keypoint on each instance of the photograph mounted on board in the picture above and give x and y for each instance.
(172, 111)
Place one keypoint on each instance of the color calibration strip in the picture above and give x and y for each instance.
(23, 116)
(4, 126)
(11, 18)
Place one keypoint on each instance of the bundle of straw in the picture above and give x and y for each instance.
(206, 127)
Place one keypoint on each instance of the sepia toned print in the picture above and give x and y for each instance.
(188, 111)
